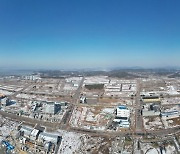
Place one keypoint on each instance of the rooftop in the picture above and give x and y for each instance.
(122, 107)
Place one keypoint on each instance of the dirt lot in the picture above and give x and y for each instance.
(91, 117)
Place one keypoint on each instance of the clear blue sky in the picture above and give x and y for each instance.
(89, 33)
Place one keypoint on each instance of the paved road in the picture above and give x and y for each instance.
(65, 120)
(78, 91)
(64, 124)
(27, 120)
(167, 131)
(138, 116)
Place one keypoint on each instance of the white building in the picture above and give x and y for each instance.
(124, 124)
(83, 99)
(34, 134)
(76, 85)
(32, 77)
(122, 116)
(170, 114)
(123, 111)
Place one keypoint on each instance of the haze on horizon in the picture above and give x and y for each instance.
(89, 33)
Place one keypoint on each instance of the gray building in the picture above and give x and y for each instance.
(4, 101)
(51, 107)
(47, 137)
(26, 131)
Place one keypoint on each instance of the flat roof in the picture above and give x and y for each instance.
(40, 128)
(34, 132)
(170, 112)
(122, 107)
(150, 97)
(152, 100)
(26, 128)
(49, 135)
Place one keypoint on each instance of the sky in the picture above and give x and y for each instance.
(64, 34)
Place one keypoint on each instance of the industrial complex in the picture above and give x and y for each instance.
(89, 114)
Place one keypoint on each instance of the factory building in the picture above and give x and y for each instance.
(34, 134)
(122, 116)
(151, 110)
(150, 113)
(113, 88)
(26, 131)
(124, 124)
(32, 77)
(37, 136)
(4, 101)
(46, 137)
(76, 85)
(122, 111)
(83, 99)
(51, 107)
(151, 99)
(169, 114)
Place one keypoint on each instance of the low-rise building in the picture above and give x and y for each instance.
(4, 101)
(122, 116)
(47, 137)
(170, 114)
(124, 124)
(51, 107)
(32, 77)
(151, 110)
(151, 99)
(122, 111)
(83, 99)
(34, 134)
(150, 113)
(75, 84)
(26, 131)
